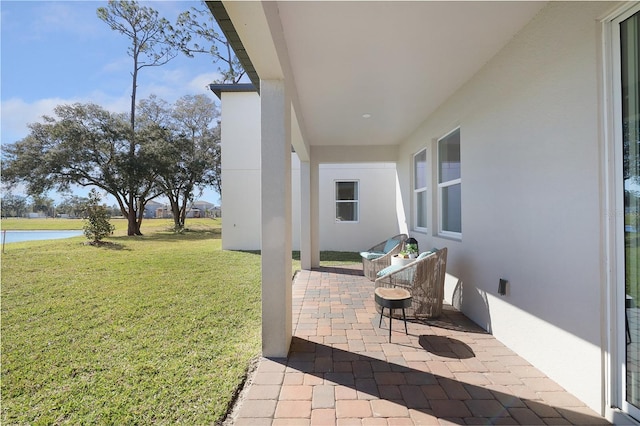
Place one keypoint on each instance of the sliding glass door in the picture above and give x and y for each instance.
(630, 115)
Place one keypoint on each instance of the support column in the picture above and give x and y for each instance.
(276, 219)
(305, 215)
(314, 199)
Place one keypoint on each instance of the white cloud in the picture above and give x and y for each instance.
(172, 84)
(111, 103)
(50, 17)
(200, 83)
(168, 85)
(16, 114)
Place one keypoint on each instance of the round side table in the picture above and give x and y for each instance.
(393, 298)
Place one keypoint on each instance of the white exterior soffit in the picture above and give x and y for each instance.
(368, 73)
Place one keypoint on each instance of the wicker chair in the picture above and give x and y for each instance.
(424, 279)
(379, 256)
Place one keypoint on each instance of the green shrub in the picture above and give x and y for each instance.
(97, 225)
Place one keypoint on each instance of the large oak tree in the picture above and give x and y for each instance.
(188, 152)
(86, 145)
(153, 42)
(177, 154)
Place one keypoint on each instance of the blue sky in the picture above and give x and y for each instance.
(59, 52)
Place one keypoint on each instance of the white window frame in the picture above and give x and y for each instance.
(421, 190)
(614, 220)
(356, 201)
(446, 184)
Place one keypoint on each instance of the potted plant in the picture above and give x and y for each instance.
(403, 254)
(411, 250)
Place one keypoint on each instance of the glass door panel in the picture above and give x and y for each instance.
(630, 73)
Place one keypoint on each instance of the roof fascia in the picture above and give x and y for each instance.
(224, 22)
(218, 89)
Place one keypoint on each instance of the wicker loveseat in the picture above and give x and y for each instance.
(379, 256)
(423, 278)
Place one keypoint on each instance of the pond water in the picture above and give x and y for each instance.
(19, 236)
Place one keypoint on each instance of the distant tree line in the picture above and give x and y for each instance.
(71, 206)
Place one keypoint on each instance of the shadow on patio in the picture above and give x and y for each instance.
(342, 370)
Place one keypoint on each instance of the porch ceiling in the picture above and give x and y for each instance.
(396, 61)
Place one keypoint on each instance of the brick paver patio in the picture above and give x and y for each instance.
(342, 369)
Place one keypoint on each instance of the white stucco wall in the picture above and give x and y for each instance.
(377, 221)
(531, 196)
(240, 133)
(377, 196)
(241, 188)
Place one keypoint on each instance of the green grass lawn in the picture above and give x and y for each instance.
(13, 223)
(153, 329)
(159, 328)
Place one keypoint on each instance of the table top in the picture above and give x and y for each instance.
(392, 293)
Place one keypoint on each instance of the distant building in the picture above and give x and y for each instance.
(157, 210)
